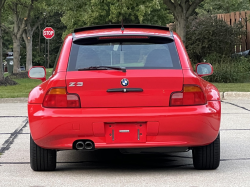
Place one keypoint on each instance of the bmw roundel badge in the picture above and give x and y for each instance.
(124, 82)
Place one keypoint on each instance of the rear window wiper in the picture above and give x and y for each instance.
(123, 69)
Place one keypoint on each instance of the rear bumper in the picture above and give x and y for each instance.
(165, 126)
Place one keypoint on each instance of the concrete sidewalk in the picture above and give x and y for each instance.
(235, 95)
(13, 100)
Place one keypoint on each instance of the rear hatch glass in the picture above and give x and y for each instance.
(96, 71)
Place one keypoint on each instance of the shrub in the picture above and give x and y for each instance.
(208, 35)
(229, 70)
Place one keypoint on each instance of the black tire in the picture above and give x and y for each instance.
(41, 159)
(207, 157)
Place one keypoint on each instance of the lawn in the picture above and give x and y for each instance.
(22, 89)
(26, 85)
(233, 87)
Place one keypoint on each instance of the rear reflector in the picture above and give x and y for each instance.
(122, 37)
(59, 98)
(191, 95)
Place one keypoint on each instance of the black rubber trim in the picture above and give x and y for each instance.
(124, 90)
(113, 26)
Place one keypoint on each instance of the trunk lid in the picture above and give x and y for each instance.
(92, 87)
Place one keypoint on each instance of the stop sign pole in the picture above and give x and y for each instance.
(48, 34)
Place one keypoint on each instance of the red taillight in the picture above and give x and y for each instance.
(191, 95)
(122, 37)
(59, 98)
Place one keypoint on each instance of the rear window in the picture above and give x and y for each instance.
(153, 53)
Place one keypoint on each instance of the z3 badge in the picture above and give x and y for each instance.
(75, 84)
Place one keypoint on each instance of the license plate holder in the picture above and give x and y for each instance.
(125, 132)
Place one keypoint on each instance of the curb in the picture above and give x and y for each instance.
(14, 100)
(234, 95)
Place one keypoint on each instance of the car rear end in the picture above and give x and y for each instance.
(124, 89)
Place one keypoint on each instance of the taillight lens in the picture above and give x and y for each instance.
(59, 98)
(191, 95)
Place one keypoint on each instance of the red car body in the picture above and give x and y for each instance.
(102, 113)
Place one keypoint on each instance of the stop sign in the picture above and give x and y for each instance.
(48, 33)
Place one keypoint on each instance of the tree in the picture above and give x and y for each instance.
(28, 35)
(182, 10)
(21, 12)
(84, 13)
(223, 6)
(2, 2)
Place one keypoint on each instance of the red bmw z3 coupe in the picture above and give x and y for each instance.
(128, 87)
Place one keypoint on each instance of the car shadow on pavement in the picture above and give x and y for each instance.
(114, 161)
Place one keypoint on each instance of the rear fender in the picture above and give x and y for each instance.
(210, 91)
(190, 77)
(37, 95)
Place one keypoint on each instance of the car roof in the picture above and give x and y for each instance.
(112, 29)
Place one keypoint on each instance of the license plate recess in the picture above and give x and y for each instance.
(125, 132)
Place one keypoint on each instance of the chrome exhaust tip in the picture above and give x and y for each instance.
(80, 145)
(89, 145)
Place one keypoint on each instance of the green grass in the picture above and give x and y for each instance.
(233, 87)
(22, 89)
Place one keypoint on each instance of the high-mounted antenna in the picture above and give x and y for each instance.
(122, 27)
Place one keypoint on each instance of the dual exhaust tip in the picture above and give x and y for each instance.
(87, 145)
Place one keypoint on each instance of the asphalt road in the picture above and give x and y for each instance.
(110, 168)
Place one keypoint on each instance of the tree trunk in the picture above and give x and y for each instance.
(29, 54)
(16, 55)
(18, 29)
(16, 41)
(181, 27)
(182, 10)
(27, 36)
(1, 49)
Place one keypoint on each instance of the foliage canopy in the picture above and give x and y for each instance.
(98, 12)
(223, 6)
